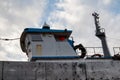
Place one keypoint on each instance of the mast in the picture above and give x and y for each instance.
(100, 33)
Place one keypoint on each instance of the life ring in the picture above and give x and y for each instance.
(82, 48)
(97, 55)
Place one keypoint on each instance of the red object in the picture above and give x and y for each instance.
(61, 38)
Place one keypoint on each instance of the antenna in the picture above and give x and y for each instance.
(46, 26)
(100, 33)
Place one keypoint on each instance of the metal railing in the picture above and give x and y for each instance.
(92, 50)
(98, 50)
(116, 50)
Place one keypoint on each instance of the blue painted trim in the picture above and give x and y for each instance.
(55, 57)
(44, 30)
(71, 42)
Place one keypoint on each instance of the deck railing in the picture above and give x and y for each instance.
(116, 50)
(98, 50)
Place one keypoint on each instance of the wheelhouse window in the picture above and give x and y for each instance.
(36, 37)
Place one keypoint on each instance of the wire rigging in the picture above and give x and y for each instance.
(8, 39)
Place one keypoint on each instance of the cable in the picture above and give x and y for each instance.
(7, 39)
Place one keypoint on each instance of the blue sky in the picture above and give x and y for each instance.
(15, 15)
(49, 8)
(115, 7)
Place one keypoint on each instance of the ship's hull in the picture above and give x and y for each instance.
(78, 69)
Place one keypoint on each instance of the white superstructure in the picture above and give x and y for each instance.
(47, 43)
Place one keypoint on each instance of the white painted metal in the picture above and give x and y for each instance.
(47, 46)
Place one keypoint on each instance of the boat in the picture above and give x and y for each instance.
(52, 55)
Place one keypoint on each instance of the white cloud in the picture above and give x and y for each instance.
(76, 15)
(107, 2)
(15, 15)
